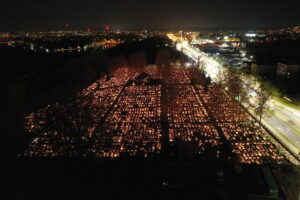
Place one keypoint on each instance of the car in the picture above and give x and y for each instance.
(247, 100)
(252, 105)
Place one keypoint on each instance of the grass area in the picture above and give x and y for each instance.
(287, 103)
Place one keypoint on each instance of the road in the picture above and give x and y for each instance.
(288, 132)
(288, 118)
(285, 120)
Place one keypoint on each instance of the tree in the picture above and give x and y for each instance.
(221, 78)
(235, 85)
(262, 108)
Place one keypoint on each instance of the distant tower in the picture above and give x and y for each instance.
(67, 27)
(107, 28)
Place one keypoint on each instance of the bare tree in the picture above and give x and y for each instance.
(221, 79)
(235, 85)
(262, 107)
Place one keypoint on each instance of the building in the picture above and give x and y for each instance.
(194, 35)
(263, 69)
(288, 70)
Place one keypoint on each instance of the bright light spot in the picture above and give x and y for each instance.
(178, 46)
(250, 35)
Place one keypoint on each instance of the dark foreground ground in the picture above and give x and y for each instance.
(134, 178)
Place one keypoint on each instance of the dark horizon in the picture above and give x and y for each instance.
(34, 15)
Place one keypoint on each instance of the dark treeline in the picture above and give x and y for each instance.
(60, 42)
(149, 46)
(126, 37)
(136, 55)
(40, 78)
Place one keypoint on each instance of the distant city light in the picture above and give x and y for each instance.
(250, 35)
(31, 47)
(178, 47)
(224, 45)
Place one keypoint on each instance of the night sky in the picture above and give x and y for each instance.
(35, 15)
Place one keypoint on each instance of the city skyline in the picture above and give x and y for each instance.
(132, 14)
